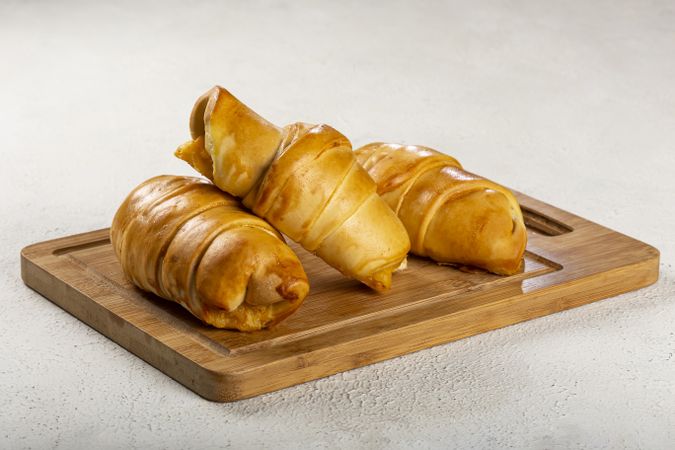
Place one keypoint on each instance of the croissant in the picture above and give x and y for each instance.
(185, 240)
(451, 215)
(304, 180)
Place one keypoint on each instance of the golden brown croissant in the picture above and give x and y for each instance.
(304, 180)
(451, 215)
(187, 241)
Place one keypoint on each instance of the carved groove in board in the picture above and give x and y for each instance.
(84, 246)
(552, 264)
(318, 315)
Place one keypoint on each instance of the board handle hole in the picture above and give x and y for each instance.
(542, 224)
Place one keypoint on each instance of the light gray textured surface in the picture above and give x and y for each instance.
(570, 102)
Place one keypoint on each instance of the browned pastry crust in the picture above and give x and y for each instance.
(187, 241)
(304, 180)
(451, 215)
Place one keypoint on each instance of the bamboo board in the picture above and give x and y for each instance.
(569, 262)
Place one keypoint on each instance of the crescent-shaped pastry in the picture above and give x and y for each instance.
(451, 215)
(185, 240)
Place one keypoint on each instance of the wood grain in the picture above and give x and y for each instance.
(570, 261)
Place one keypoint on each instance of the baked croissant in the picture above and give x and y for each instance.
(304, 180)
(451, 215)
(185, 240)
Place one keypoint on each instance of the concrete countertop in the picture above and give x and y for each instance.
(570, 102)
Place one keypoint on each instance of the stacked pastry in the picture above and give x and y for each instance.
(304, 180)
(217, 249)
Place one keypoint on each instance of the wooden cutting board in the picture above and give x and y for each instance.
(570, 261)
